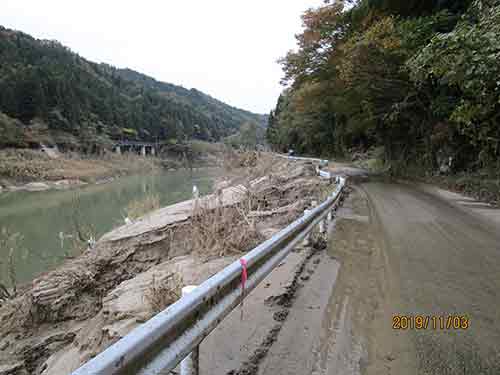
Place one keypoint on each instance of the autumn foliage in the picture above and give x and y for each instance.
(418, 78)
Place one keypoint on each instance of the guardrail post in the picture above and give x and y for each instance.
(322, 222)
(305, 242)
(191, 364)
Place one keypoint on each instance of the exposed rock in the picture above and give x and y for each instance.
(66, 184)
(51, 152)
(36, 186)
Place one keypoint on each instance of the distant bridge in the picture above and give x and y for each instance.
(140, 147)
(148, 148)
(135, 144)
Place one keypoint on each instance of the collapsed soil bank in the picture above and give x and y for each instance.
(69, 315)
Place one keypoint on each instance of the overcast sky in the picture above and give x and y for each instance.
(225, 48)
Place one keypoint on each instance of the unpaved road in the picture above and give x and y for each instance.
(395, 250)
(442, 258)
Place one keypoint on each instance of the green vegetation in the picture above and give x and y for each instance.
(50, 94)
(143, 205)
(249, 136)
(199, 148)
(418, 78)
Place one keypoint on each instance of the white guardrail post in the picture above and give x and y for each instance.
(191, 364)
(174, 335)
(306, 241)
(322, 226)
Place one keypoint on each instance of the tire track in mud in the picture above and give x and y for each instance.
(285, 301)
(357, 337)
(444, 262)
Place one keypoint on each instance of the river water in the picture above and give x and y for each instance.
(41, 217)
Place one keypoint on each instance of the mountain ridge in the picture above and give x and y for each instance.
(50, 93)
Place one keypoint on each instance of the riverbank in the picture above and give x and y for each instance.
(32, 170)
(68, 315)
(36, 170)
(56, 224)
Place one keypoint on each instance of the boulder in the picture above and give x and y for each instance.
(36, 186)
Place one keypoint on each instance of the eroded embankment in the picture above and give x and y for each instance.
(69, 315)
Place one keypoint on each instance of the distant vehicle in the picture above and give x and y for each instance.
(291, 152)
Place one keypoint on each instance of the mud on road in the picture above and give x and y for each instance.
(405, 251)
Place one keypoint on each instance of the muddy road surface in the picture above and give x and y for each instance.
(421, 270)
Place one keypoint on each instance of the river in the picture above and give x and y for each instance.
(41, 217)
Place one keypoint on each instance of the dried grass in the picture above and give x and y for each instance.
(162, 294)
(203, 148)
(234, 159)
(275, 192)
(16, 314)
(222, 231)
(264, 165)
(84, 231)
(323, 191)
(9, 243)
(141, 206)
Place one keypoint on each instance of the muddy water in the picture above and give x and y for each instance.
(42, 217)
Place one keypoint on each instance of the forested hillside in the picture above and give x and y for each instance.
(420, 80)
(49, 93)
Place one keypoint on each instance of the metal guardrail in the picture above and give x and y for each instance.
(306, 159)
(291, 157)
(160, 344)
